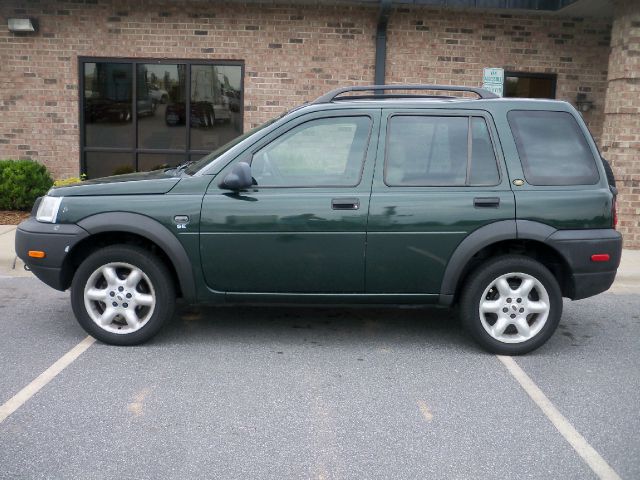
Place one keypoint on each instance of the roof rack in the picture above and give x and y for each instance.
(334, 94)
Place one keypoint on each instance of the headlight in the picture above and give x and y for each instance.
(48, 209)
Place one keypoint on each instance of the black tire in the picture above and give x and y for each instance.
(611, 179)
(483, 277)
(156, 272)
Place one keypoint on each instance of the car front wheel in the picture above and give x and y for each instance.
(511, 305)
(122, 295)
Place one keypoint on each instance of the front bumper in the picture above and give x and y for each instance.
(588, 278)
(56, 240)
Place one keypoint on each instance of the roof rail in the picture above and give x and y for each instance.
(333, 94)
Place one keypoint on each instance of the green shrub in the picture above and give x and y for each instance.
(21, 182)
(63, 182)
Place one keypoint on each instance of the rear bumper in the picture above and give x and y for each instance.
(588, 278)
(56, 240)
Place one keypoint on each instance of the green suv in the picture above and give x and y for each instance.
(365, 196)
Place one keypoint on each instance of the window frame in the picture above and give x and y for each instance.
(134, 62)
(264, 145)
(469, 116)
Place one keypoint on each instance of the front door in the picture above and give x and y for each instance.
(302, 227)
(439, 176)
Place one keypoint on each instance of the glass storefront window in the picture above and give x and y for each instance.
(105, 164)
(156, 113)
(215, 105)
(159, 161)
(161, 95)
(107, 105)
(529, 85)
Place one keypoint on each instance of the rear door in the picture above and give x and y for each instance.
(439, 176)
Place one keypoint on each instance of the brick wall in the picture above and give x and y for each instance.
(291, 54)
(621, 135)
(452, 47)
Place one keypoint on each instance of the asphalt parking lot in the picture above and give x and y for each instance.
(314, 393)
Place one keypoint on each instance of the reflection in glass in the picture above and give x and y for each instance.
(104, 164)
(107, 104)
(484, 168)
(535, 86)
(215, 116)
(301, 158)
(194, 157)
(162, 116)
(161, 93)
(426, 151)
(159, 161)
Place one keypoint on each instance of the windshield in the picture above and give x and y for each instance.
(207, 159)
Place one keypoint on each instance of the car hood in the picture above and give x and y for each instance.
(156, 182)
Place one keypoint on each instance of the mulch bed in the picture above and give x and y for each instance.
(12, 217)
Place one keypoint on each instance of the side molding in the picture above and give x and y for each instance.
(152, 230)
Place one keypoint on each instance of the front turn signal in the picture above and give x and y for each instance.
(36, 254)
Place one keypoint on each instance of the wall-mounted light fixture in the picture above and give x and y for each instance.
(582, 104)
(22, 25)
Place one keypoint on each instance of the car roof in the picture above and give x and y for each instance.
(422, 96)
(440, 102)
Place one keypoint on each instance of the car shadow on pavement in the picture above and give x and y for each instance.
(323, 326)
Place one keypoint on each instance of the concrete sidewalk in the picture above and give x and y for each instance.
(10, 265)
(627, 280)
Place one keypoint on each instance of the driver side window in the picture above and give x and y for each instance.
(318, 153)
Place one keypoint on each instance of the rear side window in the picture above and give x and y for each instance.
(439, 151)
(552, 148)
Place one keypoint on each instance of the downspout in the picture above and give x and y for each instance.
(381, 41)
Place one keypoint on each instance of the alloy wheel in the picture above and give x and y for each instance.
(514, 307)
(119, 297)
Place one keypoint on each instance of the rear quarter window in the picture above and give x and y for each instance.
(552, 148)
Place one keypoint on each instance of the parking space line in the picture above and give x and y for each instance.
(592, 458)
(45, 377)
(424, 410)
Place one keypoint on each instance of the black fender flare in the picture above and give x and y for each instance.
(152, 230)
(483, 237)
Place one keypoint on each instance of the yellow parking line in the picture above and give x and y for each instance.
(592, 458)
(45, 377)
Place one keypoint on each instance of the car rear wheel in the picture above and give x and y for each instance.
(122, 295)
(511, 305)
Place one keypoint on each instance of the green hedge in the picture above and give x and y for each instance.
(21, 182)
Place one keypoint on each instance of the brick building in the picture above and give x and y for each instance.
(203, 71)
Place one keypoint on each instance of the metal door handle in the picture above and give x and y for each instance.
(345, 204)
(486, 202)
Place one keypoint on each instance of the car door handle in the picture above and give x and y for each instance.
(486, 202)
(345, 203)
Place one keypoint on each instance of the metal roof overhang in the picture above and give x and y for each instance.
(579, 8)
(545, 5)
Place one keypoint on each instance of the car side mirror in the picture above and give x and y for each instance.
(239, 178)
